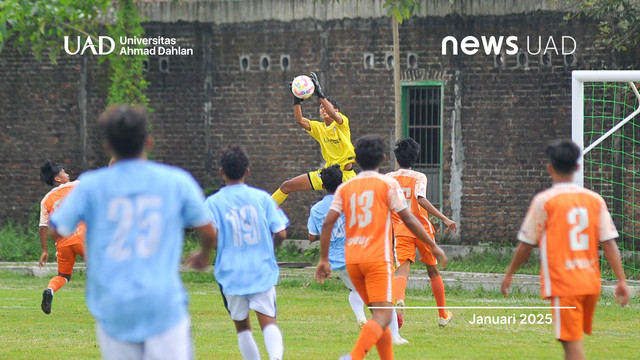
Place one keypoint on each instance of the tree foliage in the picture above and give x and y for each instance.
(39, 26)
(398, 9)
(401, 9)
(128, 82)
(619, 20)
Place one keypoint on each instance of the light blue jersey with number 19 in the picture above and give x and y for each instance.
(135, 212)
(245, 218)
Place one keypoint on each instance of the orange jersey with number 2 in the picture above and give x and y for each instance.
(568, 222)
(367, 201)
(414, 185)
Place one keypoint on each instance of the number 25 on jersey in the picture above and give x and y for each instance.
(140, 214)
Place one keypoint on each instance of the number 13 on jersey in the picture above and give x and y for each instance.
(364, 203)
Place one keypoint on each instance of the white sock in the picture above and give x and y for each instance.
(393, 326)
(357, 305)
(273, 341)
(248, 346)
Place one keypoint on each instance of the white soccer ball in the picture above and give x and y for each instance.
(302, 87)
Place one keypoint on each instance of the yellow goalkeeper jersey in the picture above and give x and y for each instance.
(334, 140)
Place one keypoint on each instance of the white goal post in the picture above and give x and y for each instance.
(578, 78)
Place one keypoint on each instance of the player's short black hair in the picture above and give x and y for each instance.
(333, 102)
(125, 129)
(49, 170)
(331, 178)
(563, 155)
(406, 151)
(234, 162)
(369, 152)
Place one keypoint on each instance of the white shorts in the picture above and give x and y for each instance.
(174, 344)
(344, 276)
(239, 306)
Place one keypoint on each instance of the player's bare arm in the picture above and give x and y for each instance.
(300, 120)
(612, 254)
(313, 238)
(522, 254)
(416, 228)
(44, 257)
(328, 108)
(279, 237)
(427, 205)
(208, 241)
(324, 269)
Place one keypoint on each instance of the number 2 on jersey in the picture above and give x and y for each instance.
(141, 212)
(579, 218)
(365, 201)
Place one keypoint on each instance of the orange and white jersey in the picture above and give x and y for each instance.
(50, 203)
(367, 201)
(568, 222)
(414, 185)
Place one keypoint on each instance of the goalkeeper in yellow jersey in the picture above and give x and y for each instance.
(333, 135)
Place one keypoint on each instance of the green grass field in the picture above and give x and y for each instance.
(316, 322)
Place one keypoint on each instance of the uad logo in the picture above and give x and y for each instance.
(105, 46)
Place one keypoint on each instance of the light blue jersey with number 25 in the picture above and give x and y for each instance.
(245, 218)
(135, 212)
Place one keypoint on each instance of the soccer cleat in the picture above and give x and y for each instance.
(47, 298)
(400, 312)
(399, 341)
(445, 321)
(362, 322)
(345, 357)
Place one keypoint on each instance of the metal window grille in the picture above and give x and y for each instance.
(424, 125)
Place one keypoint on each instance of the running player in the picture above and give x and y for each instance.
(569, 223)
(334, 136)
(135, 212)
(331, 179)
(249, 226)
(67, 248)
(367, 202)
(414, 186)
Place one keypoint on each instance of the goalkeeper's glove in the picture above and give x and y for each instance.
(316, 84)
(296, 100)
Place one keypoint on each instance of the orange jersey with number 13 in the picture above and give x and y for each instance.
(568, 222)
(367, 201)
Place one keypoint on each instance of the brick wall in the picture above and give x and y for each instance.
(202, 103)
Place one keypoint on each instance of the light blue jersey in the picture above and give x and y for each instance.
(245, 218)
(336, 247)
(135, 212)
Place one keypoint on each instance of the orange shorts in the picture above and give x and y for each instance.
(373, 281)
(67, 257)
(406, 250)
(570, 324)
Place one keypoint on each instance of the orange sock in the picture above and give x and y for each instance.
(401, 287)
(369, 336)
(437, 287)
(57, 283)
(385, 346)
